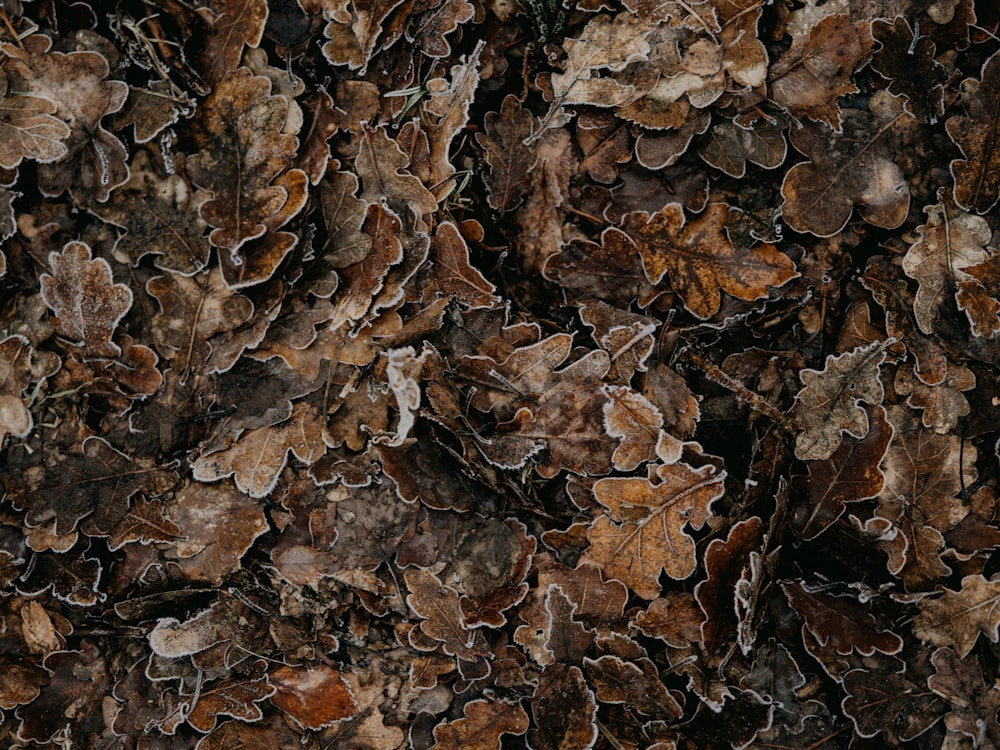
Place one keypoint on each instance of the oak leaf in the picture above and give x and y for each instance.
(29, 129)
(636, 422)
(503, 138)
(432, 28)
(15, 373)
(977, 184)
(484, 723)
(977, 297)
(236, 23)
(889, 703)
(160, 217)
(193, 309)
(925, 469)
(643, 532)
(94, 160)
(829, 403)
(441, 615)
(218, 525)
(607, 44)
(907, 60)
(383, 168)
(72, 577)
(855, 167)
(842, 621)
(564, 710)
(255, 461)
(814, 72)
(235, 696)
(729, 147)
(849, 475)
(956, 618)
(343, 216)
(700, 260)
(100, 480)
(950, 242)
(245, 161)
(88, 305)
(71, 702)
(315, 697)
(451, 273)
(974, 703)
(637, 685)
(943, 405)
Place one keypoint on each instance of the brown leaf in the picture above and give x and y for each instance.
(883, 281)
(564, 710)
(145, 521)
(255, 461)
(610, 271)
(810, 76)
(643, 533)
(889, 703)
(88, 305)
(315, 697)
(237, 23)
(193, 309)
(15, 372)
(451, 274)
(94, 160)
(431, 30)
(729, 147)
(101, 481)
(728, 563)
(343, 217)
(151, 111)
(29, 129)
(926, 470)
(636, 685)
(481, 729)
(943, 405)
(236, 696)
(442, 617)
(974, 703)
(978, 299)
(632, 419)
(245, 161)
(977, 185)
(20, 683)
(842, 621)
(829, 403)
(72, 699)
(956, 618)
(503, 137)
(160, 217)
(849, 475)
(675, 618)
(383, 169)
(855, 167)
(907, 60)
(700, 260)
(950, 242)
(219, 525)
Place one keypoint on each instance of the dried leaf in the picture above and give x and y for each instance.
(950, 242)
(315, 697)
(88, 305)
(842, 621)
(237, 23)
(503, 138)
(956, 618)
(643, 533)
(699, 259)
(849, 475)
(888, 703)
(829, 403)
(852, 168)
(236, 696)
(974, 704)
(564, 710)
(481, 729)
(977, 186)
(29, 129)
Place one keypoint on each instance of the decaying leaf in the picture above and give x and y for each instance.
(829, 402)
(700, 260)
(643, 533)
(87, 303)
(848, 169)
(977, 185)
(956, 618)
